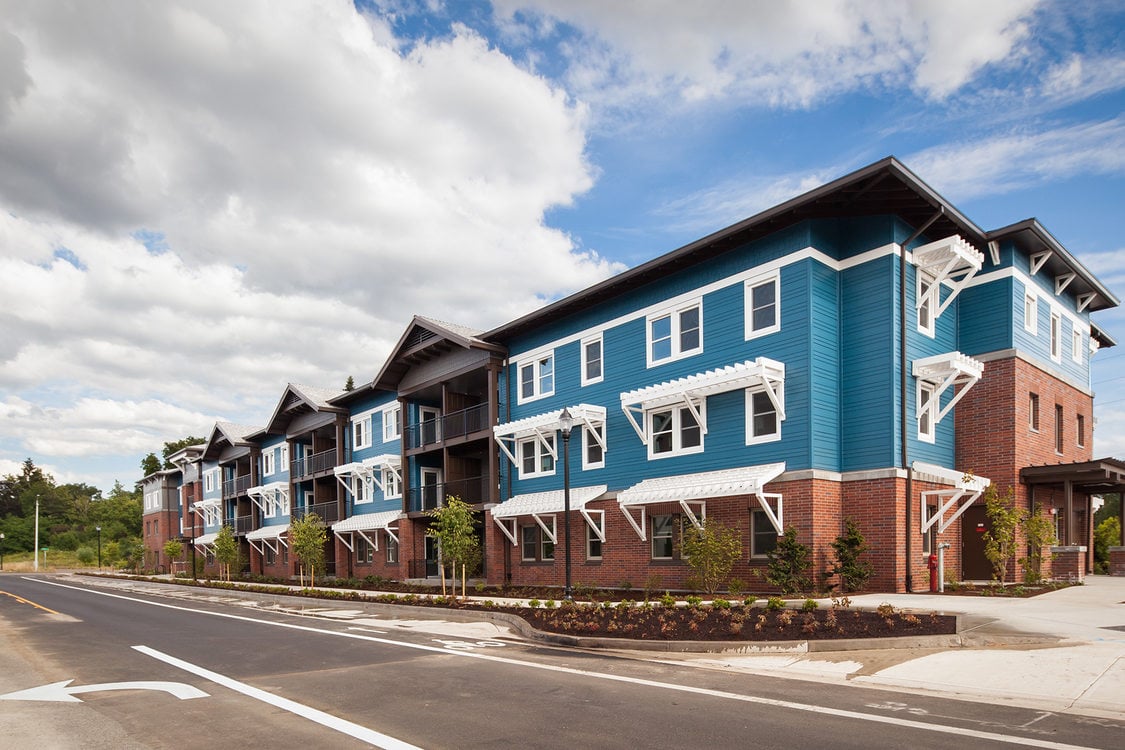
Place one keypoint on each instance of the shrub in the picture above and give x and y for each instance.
(711, 551)
(810, 605)
(668, 600)
(1000, 540)
(693, 601)
(735, 587)
(853, 572)
(1106, 534)
(720, 604)
(533, 603)
(86, 556)
(789, 563)
(774, 603)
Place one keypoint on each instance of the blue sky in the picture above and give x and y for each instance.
(205, 201)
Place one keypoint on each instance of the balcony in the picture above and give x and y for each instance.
(235, 487)
(328, 512)
(456, 424)
(240, 525)
(473, 490)
(308, 466)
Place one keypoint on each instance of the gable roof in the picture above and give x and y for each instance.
(299, 399)
(425, 339)
(230, 433)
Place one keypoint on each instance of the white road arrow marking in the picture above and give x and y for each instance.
(58, 691)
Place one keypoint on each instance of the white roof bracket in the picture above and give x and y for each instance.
(1084, 300)
(693, 407)
(631, 413)
(261, 550)
(541, 438)
(965, 489)
(944, 371)
(951, 261)
(345, 538)
(591, 429)
(508, 532)
(373, 542)
(770, 387)
(637, 527)
(597, 526)
(500, 441)
(1038, 259)
(1062, 281)
(696, 519)
(551, 533)
(392, 533)
(773, 513)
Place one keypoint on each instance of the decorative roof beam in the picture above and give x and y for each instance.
(1062, 281)
(1038, 259)
(1084, 300)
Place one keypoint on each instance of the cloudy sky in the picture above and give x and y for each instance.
(201, 201)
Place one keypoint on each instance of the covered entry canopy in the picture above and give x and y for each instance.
(364, 524)
(544, 506)
(1085, 477)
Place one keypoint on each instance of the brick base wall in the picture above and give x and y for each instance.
(1069, 563)
(1117, 561)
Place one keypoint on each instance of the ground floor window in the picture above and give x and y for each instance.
(364, 552)
(593, 545)
(392, 548)
(929, 536)
(763, 536)
(270, 556)
(536, 546)
(662, 537)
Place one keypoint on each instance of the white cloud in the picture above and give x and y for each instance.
(787, 54)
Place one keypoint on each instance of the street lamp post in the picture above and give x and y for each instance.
(99, 529)
(35, 550)
(566, 424)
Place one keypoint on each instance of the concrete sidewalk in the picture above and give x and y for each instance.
(1076, 666)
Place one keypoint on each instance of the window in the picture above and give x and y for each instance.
(762, 316)
(361, 433)
(364, 552)
(268, 466)
(763, 536)
(547, 547)
(674, 432)
(537, 378)
(928, 293)
(1033, 412)
(1058, 428)
(392, 487)
(762, 422)
(392, 424)
(529, 536)
(285, 457)
(593, 543)
(536, 459)
(1076, 345)
(391, 545)
(362, 490)
(928, 537)
(592, 361)
(675, 334)
(1056, 339)
(593, 455)
(270, 555)
(926, 409)
(1081, 425)
(1030, 313)
(662, 527)
(209, 481)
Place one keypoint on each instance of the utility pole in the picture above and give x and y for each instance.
(35, 551)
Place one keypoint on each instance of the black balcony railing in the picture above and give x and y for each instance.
(473, 490)
(240, 525)
(235, 487)
(328, 512)
(308, 466)
(452, 425)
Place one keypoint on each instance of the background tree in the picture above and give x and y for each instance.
(1000, 540)
(853, 572)
(711, 553)
(150, 464)
(307, 537)
(1107, 534)
(226, 551)
(174, 446)
(789, 563)
(350, 384)
(453, 527)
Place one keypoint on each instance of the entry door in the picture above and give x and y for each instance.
(431, 556)
(431, 488)
(974, 565)
(431, 424)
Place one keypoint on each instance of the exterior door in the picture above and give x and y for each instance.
(430, 419)
(431, 557)
(431, 488)
(974, 565)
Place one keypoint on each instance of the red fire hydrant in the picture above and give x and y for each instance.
(933, 573)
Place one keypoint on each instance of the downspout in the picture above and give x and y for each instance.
(903, 420)
(508, 474)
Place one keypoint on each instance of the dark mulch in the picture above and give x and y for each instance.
(1010, 590)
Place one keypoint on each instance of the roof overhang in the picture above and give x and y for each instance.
(544, 506)
(1088, 477)
(366, 523)
(542, 425)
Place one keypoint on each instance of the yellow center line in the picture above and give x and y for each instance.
(26, 601)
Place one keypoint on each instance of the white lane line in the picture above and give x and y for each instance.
(810, 708)
(370, 736)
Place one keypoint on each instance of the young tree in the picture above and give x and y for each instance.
(172, 550)
(1040, 534)
(711, 552)
(853, 572)
(453, 526)
(307, 537)
(789, 564)
(1000, 540)
(226, 551)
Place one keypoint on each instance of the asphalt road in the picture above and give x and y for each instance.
(279, 680)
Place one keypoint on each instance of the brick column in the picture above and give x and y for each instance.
(1069, 563)
(1117, 561)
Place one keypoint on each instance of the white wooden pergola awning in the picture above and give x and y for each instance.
(690, 391)
(693, 489)
(365, 523)
(269, 536)
(542, 426)
(964, 488)
(544, 506)
(205, 541)
(211, 511)
(945, 371)
(951, 261)
(369, 470)
(271, 499)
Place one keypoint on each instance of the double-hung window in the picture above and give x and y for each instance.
(927, 408)
(1056, 337)
(592, 361)
(1030, 313)
(361, 433)
(763, 424)
(593, 455)
(392, 423)
(362, 490)
(391, 545)
(675, 334)
(1033, 412)
(675, 431)
(662, 537)
(537, 378)
(209, 481)
(392, 487)
(1080, 425)
(763, 536)
(928, 298)
(535, 545)
(593, 541)
(763, 310)
(1076, 345)
(268, 466)
(536, 459)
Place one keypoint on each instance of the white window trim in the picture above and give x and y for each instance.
(698, 409)
(595, 529)
(929, 298)
(362, 490)
(1076, 345)
(269, 462)
(754, 513)
(391, 482)
(777, 398)
(600, 341)
(536, 363)
(1031, 322)
(209, 480)
(361, 432)
(284, 457)
(586, 437)
(674, 314)
(775, 279)
(1056, 337)
(926, 404)
(542, 447)
(392, 427)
